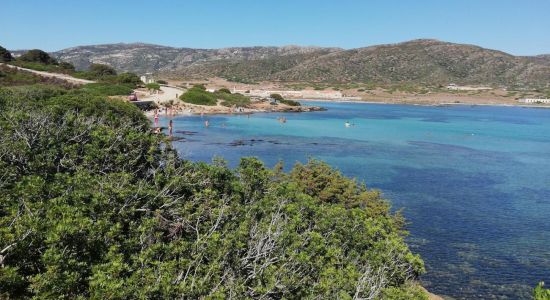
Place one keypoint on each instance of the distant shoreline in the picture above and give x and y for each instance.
(343, 100)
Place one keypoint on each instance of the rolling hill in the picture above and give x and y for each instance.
(418, 61)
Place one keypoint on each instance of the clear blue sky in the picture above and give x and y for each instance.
(514, 26)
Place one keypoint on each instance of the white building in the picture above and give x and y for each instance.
(147, 78)
(533, 100)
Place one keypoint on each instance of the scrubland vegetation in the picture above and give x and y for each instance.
(95, 205)
(199, 95)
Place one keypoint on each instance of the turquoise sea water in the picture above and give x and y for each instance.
(474, 181)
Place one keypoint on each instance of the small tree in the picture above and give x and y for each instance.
(5, 55)
(128, 78)
(102, 70)
(160, 81)
(38, 56)
(224, 90)
(277, 97)
(153, 86)
(66, 66)
(199, 86)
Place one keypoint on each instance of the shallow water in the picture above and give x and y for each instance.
(474, 181)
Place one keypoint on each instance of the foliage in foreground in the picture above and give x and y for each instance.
(107, 89)
(93, 205)
(541, 293)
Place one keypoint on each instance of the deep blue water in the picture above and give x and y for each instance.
(474, 181)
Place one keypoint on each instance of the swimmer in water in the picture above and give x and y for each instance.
(206, 123)
(170, 127)
(347, 124)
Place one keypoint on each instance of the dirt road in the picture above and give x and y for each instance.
(168, 93)
(54, 75)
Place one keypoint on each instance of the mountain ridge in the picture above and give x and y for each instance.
(426, 61)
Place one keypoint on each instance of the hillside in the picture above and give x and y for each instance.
(418, 61)
(141, 58)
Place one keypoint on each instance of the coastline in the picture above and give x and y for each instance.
(344, 100)
(215, 110)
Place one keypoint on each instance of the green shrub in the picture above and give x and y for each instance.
(290, 102)
(199, 97)
(224, 90)
(36, 92)
(277, 97)
(229, 99)
(66, 66)
(540, 293)
(102, 70)
(406, 292)
(199, 86)
(128, 78)
(107, 89)
(5, 55)
(37, 56)
(94, 205)
(162, 81)
(153, 86)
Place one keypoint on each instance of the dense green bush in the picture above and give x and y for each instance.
(63, 67)
(102, 70)
(277, 97)
(160, 81)
(407, 292)
(199, 96)
(37, 56)
(39, 60)
(290, 102)
(540, 293)
(5, 55)
(229, 99)
(280, 98)
(94, 205)
(36, 92)
(123, 78)
(108, 89)
(66, 66)
(224, 90)
(153, 86)
(127, 78)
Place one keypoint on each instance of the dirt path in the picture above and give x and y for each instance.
(168, 93)
(54, 75)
